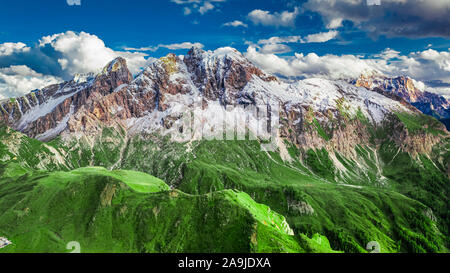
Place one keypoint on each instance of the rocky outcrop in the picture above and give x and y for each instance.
(300, 207)
(420, 142)
(166, 76)
(223, 74)
(401, 86)
(48, 109)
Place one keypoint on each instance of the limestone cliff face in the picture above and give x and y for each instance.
(401, 86)
(337, 133)
(42, 111)
(415, 143)
(111, 100)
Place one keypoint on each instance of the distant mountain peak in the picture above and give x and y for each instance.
(220, 54)
(195, 51)
(410, 90)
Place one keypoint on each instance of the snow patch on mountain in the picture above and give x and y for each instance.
(41, 110)
(62, 124)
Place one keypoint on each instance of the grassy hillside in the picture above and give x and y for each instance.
(126, 211)
(349, 215)
(374, 206)
(383, 195)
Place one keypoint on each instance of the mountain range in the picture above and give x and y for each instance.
(406, 88)
(93, 160)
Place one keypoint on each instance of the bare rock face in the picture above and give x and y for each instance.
(114, 74)
(291, 120)
(301, 207)
(166, 76)
(301, 125)
(414, 143)
(42, 111)
(401, 86)
(222, 75)
(113, 99)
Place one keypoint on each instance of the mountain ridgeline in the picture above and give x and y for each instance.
(405, 88)
(353, 163)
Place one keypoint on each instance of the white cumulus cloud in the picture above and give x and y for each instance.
(20, 79)
(235, 23)
(176, 46)
(56, 58)
(201, 6)
(429, 66)
(7, 49)
(265, 18)
(321, 37)
(83, 52)
(277, 45)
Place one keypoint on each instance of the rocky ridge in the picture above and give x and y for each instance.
(408, 89)
(314, 113)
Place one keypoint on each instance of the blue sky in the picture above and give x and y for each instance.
(413, 31)
(140, 23)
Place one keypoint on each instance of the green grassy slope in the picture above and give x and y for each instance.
(138, 181)
(383, 195)
(31, 153)
(350, 216)
(110, 212)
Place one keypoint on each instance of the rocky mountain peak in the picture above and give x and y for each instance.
(403, 86)
(115, 65)
(410, 90)
(195, 51)
(222, 73)
(45, 113)
(115, 73)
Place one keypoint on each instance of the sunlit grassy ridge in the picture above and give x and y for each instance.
(127, 211)
(416, 123)
(138, 181)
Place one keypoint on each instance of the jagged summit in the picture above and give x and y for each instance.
(116, 72)
(115, 65)
(45, 113)
(195, 51)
